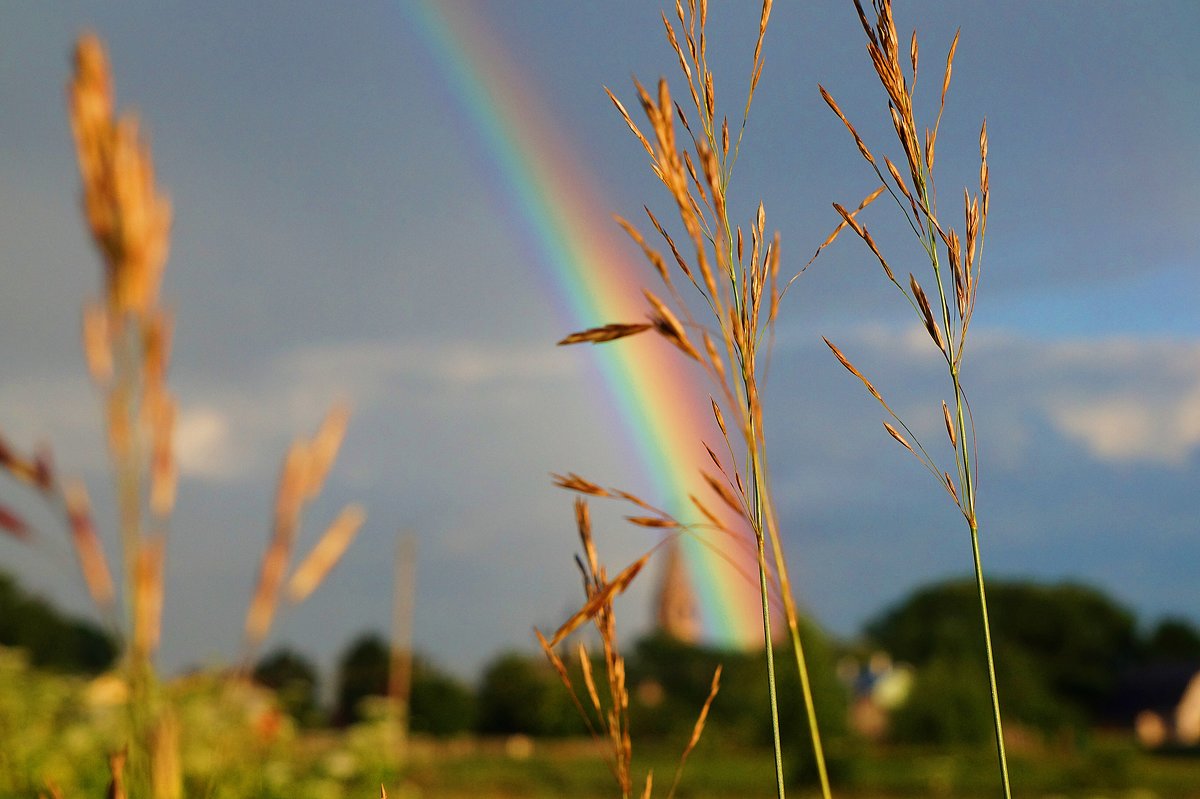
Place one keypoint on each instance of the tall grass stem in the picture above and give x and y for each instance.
(987, 642)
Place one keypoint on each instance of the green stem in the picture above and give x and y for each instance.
(789, 607)
(987, 642)
(756, 486)
(810, 708)
(766, 611)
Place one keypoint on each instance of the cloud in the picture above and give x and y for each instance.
(436, 365)
(1129, 428)
(230, 422)
(1123, 399)
(1151, 414)
(204, 444)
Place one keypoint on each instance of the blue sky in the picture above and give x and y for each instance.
(338, 233)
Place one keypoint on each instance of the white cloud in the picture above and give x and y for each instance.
(204, 444)
(231, 426)
(438, 364)
(1136, 424)
(1124, 399)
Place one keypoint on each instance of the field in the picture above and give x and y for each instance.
(236, 743)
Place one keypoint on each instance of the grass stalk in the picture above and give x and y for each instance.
(764, 592)
(742, 295)
(997, 723)
(956, 303)
(806, 691)
(127, 338)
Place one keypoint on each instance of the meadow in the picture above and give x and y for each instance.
(714, 288)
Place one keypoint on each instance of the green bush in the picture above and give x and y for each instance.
(52, 639)
(293, 678)
(520, 694)
(1059, 648)
(439, 704)
(949, 705)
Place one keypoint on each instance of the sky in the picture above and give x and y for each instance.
(344, 230)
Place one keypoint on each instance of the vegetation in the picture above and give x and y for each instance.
(293, 679)
(48, 638)
(439, 705)
(1065, 645)
(1172, 639)
(955, 262)
(127, 344)
(236, 739)
(732, 316)
(521, 695)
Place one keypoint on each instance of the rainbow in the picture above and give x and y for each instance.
(596, 281)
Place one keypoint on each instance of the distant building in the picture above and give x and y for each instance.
(1162, 704)
(877, 687)
(678, 610)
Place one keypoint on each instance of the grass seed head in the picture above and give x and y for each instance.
(92, 562)
(599, 335)
(164, 471)
(931, 325)
(97, 342)
(324, 448)
(949, 424)
(573, 482)
(896, 435)
(148, 588)
(129, 220)
(653, 522)
(313, 570)
(13, 524)
(724, 493)
(850, 367)
(668, 326)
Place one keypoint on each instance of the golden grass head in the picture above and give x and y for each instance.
(116, 770)
(37, 471)
(97, 342)
(303, 474)
(326, 554)
(129, 219)
(14, 525)
(604, 333)
(92, 562)
(325, 446)
(148, 587)
(573, 482)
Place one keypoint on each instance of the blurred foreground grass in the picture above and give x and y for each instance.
(235, 742)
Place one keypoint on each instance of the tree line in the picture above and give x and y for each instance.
(1061, 649)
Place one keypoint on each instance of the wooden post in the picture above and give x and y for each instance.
(400, 666)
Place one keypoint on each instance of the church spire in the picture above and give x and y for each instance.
(678, 612)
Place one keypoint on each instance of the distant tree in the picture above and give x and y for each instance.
(362, 672)
(293, 678)
(1173, 639)
(52, 639)
(522, 694)
(670, 680)
(439, 704)
(1059, 648)
(948, 705)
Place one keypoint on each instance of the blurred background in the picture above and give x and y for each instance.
(346, 226)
